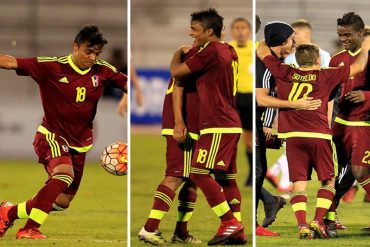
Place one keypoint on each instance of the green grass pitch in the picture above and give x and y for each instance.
(354, 215)
(96, 217)
(147, 170)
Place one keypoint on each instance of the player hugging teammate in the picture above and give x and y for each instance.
(202, 95)
(70, 88)
(308, 136)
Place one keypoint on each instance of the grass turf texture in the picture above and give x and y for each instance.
(147, 171)
(96, 217)
(354, 215)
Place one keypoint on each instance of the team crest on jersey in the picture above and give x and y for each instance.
(95, 80)
(65, 148)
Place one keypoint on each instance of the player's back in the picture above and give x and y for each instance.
(347, 110)
(293, 84)
(216, 65)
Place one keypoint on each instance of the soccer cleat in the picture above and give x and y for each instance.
(272, 209)
(339, 225)
(186, 240)
(32, 233)
(154, 238)
(260, 231)
(350, 194)
(331, 228)
(5, 224)
(304, 232)
(239, 239)
(366, 229)
(226, 231)
(319, 229)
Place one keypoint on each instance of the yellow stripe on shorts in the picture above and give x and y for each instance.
(213, 150)
(188, 151)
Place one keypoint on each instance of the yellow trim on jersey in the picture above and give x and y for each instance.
(46, 59)
(104, 63)
(169, 132)
(38, 215)
(352, 123)
(226, 130)
(339, 52)
(45, 131)
(170, 90)
(205, 45)
(63, 60)
(354, 53)
(305, 134)
(75, 68)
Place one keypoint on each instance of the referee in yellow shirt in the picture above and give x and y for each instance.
(241, 32)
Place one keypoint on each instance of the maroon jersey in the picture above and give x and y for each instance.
(69, 95)
(293, 84)
(347, 110)
(190, 105)
(216, 65)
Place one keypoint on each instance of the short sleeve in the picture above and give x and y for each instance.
(202, 60)
(32, 67)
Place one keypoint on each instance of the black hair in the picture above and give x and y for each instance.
(258, 23)
(209, 19)
(240, 19)
(351, 19)
(90, 35)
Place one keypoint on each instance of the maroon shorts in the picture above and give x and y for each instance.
(216, 152)
(305, 154)
(178, 157)
(53, 151)
(353, 144)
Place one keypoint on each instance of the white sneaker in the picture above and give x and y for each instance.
(154, 238)
(188, 240)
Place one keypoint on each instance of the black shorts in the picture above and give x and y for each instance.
(244, 104)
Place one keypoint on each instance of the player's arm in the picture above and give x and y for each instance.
(178, 68)
(179, 130)
(330, 111)
(265, 100)
(8, 62)
(136, 85)
(263, 50)
(361, 61)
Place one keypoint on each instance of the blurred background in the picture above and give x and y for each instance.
(48, 28)
(158, 28)
(322, 15)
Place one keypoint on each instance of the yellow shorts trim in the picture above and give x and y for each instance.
(351, 123)
(169, 132)
(305, 134)
(231, 130)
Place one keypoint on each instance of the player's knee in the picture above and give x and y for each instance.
(190, 186)
(359, 172)
(63, 169)
(64, 200)
(172, 182)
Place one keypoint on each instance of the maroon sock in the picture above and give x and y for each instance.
(163, 198)
(325, 197)
(298, 200)
(43, 201)
(214, 195)
(232, 193)
(187, 199)
(365, 183)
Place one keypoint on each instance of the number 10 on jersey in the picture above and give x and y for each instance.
(298, 89)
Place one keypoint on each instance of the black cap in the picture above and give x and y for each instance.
(277, 32)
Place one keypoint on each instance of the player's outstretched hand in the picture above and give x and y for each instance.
(308, 104)
(263, 50)
(355, 96)
(179, 132)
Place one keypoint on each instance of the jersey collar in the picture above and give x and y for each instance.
(75, 68)
(354, 53)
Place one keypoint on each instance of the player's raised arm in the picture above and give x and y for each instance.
(177, 67)
(179, 130)
(263, 50)
(361, 61)
(8, 62)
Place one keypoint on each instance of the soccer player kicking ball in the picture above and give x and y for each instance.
(178, 160)
(309, 141)
(220, 128)
(70, 88)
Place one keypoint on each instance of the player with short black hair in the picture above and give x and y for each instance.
(209, 19)
(70, 88)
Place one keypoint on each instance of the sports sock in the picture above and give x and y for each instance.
(43, 201)
(163, 198)
(365, 183)
(298, 200)
(187, 199)
(56, 207)
(324, 197)
(213, 193)
(20, 211)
